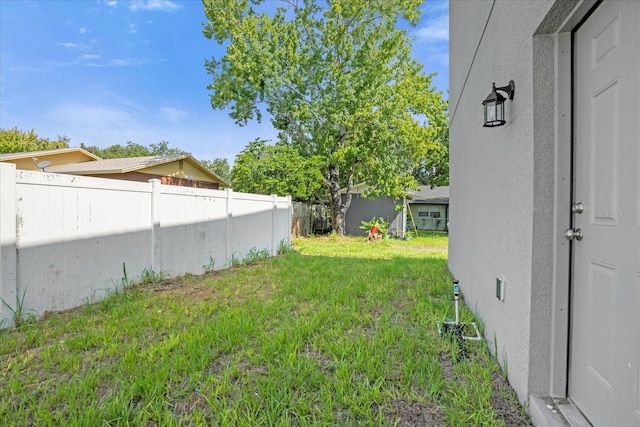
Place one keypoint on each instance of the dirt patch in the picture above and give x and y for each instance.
(448, 373)
(503, 397)
(410, 414)
(505, 403)
(182, 285)
(198, 292)
(191, 402)
(223, 361)
(201, 287)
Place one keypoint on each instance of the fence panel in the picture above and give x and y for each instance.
(310, 219)
(66, 240)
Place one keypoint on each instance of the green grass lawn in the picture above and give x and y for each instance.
(338, 331)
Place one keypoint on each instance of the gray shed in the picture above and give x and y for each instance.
(364, 209)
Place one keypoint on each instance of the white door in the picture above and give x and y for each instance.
(604, 378)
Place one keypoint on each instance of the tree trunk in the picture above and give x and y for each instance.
(338, 205)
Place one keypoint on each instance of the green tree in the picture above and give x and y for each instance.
(18, 141)
(434, 170)
(219, 166)
(339, 82)
(277, 169)
(162, 149)
(132, 149)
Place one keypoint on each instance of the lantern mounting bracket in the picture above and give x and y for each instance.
(509, 89)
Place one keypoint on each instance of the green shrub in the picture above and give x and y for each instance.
(379, 222)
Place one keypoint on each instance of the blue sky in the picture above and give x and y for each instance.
(105, 72)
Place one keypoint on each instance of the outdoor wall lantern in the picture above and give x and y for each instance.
(494, 105)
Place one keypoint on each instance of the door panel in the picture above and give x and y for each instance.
(604, 157)
(604, 378)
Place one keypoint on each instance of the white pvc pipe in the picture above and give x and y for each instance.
(457, 312)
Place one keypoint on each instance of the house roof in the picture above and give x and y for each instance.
(121, 165)
(356, 188)
(130, 164)
(77, 161)
(429, 196)
(425, 195)
(56, 156)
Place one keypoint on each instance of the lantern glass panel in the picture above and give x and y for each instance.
(489, 112)
(500, 111)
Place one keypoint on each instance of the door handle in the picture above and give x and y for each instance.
(577, 208)
(571, 234)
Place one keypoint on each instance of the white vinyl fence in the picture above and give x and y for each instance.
(65, 240)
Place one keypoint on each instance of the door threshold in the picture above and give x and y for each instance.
(551, 412)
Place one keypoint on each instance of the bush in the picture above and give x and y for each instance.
(380, 223)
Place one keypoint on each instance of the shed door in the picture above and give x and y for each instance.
(604, 379)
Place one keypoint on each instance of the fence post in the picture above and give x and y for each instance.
(289, 216)
(8, 234)
(227, 231)
(156, 255)
(274, 211)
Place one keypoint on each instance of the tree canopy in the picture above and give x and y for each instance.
(339, 83)
(220, 166)
(277, 169)
(18, 141)
(132, 149)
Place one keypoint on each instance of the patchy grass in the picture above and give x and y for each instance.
(335, 332)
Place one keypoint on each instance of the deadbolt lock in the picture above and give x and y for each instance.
(577, 208)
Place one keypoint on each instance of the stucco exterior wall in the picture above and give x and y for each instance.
(493, 213)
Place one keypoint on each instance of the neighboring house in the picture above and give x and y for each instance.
(544, 230)
(60, 156)
(428, 208)
(364, 209)
(182, 170)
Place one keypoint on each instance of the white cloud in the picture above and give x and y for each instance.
(83, 31)
(111, 3)
(432, 38)
(435, 59)
(96, 115)
(132, 28)
(172, 114)
(159, 5)
(123, 62)
(74, 45)
(119, 62)
(90, 121)
(435, 30)
(96, 124)
(96, 60)
(436, 7)
(117, 119)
